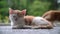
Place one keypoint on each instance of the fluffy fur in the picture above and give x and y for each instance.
(41, 22)
(28, 19)
(52, 15)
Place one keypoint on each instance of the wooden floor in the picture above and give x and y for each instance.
(9, 30)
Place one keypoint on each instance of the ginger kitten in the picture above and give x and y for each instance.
(19, 20)
(16, 18)
(52, 16)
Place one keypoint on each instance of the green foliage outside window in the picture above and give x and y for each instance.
(34, 7)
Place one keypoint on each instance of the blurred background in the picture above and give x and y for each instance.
(33, 7)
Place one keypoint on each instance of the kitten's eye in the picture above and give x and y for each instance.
(13, 16)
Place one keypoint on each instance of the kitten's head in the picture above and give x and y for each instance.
(16, 14)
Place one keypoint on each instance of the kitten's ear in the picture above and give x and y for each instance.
(10, 11)
(24, 12)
